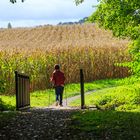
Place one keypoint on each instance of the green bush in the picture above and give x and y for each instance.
(119, 98)
(135, 65)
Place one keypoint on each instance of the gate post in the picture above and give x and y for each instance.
(16, 89)
(82, 89)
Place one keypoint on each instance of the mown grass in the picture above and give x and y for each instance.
(7, 103)
(119, 117)
(117, 94)
(112, 125)
(123, 95)
(47, 97)
(109, 93)
(115, 98)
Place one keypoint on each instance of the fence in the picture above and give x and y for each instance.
(22, 86)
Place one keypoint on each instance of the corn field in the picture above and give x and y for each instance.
(34, 51)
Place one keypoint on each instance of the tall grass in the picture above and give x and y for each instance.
(34, 51)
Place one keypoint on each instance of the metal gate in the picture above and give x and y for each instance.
(22, 86)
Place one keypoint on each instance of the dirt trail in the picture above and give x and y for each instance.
(67, 101)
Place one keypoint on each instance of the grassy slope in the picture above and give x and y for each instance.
(109, 125)
(121, 116)
(123, 95)
(44, 98)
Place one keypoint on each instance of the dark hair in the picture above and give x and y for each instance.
(56, 67)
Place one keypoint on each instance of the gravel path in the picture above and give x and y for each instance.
(38, 124)
(51, 123)
(43, 124)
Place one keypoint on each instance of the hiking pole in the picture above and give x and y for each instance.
(49, 100)
(65, 95)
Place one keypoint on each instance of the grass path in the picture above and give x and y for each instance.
(66, 102)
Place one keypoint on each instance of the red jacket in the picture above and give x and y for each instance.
(58, 78)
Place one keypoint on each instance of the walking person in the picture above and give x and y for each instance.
(58, 79)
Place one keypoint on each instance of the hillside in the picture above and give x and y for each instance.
(34, 51)
(81, 21)
(46, 37)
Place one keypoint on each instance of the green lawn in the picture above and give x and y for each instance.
(119, 114)
(111, 125)
(120, 97)
(115, 98)
(47, 97)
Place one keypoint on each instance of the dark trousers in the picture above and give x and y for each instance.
(59, 94)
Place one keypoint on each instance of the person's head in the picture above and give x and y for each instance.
(56, 67)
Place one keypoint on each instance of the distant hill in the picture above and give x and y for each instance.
(49, 36)
(81, 21)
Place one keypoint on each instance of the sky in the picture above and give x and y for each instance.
(42, 12)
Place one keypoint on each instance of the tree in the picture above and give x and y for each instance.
(14, 1)
(120, 16)
(76, 1)
(9, 25)
(123, 18)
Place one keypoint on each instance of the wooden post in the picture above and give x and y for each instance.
(16, 88)
(82, 89)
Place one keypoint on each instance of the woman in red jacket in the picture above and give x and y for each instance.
(58, 80)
